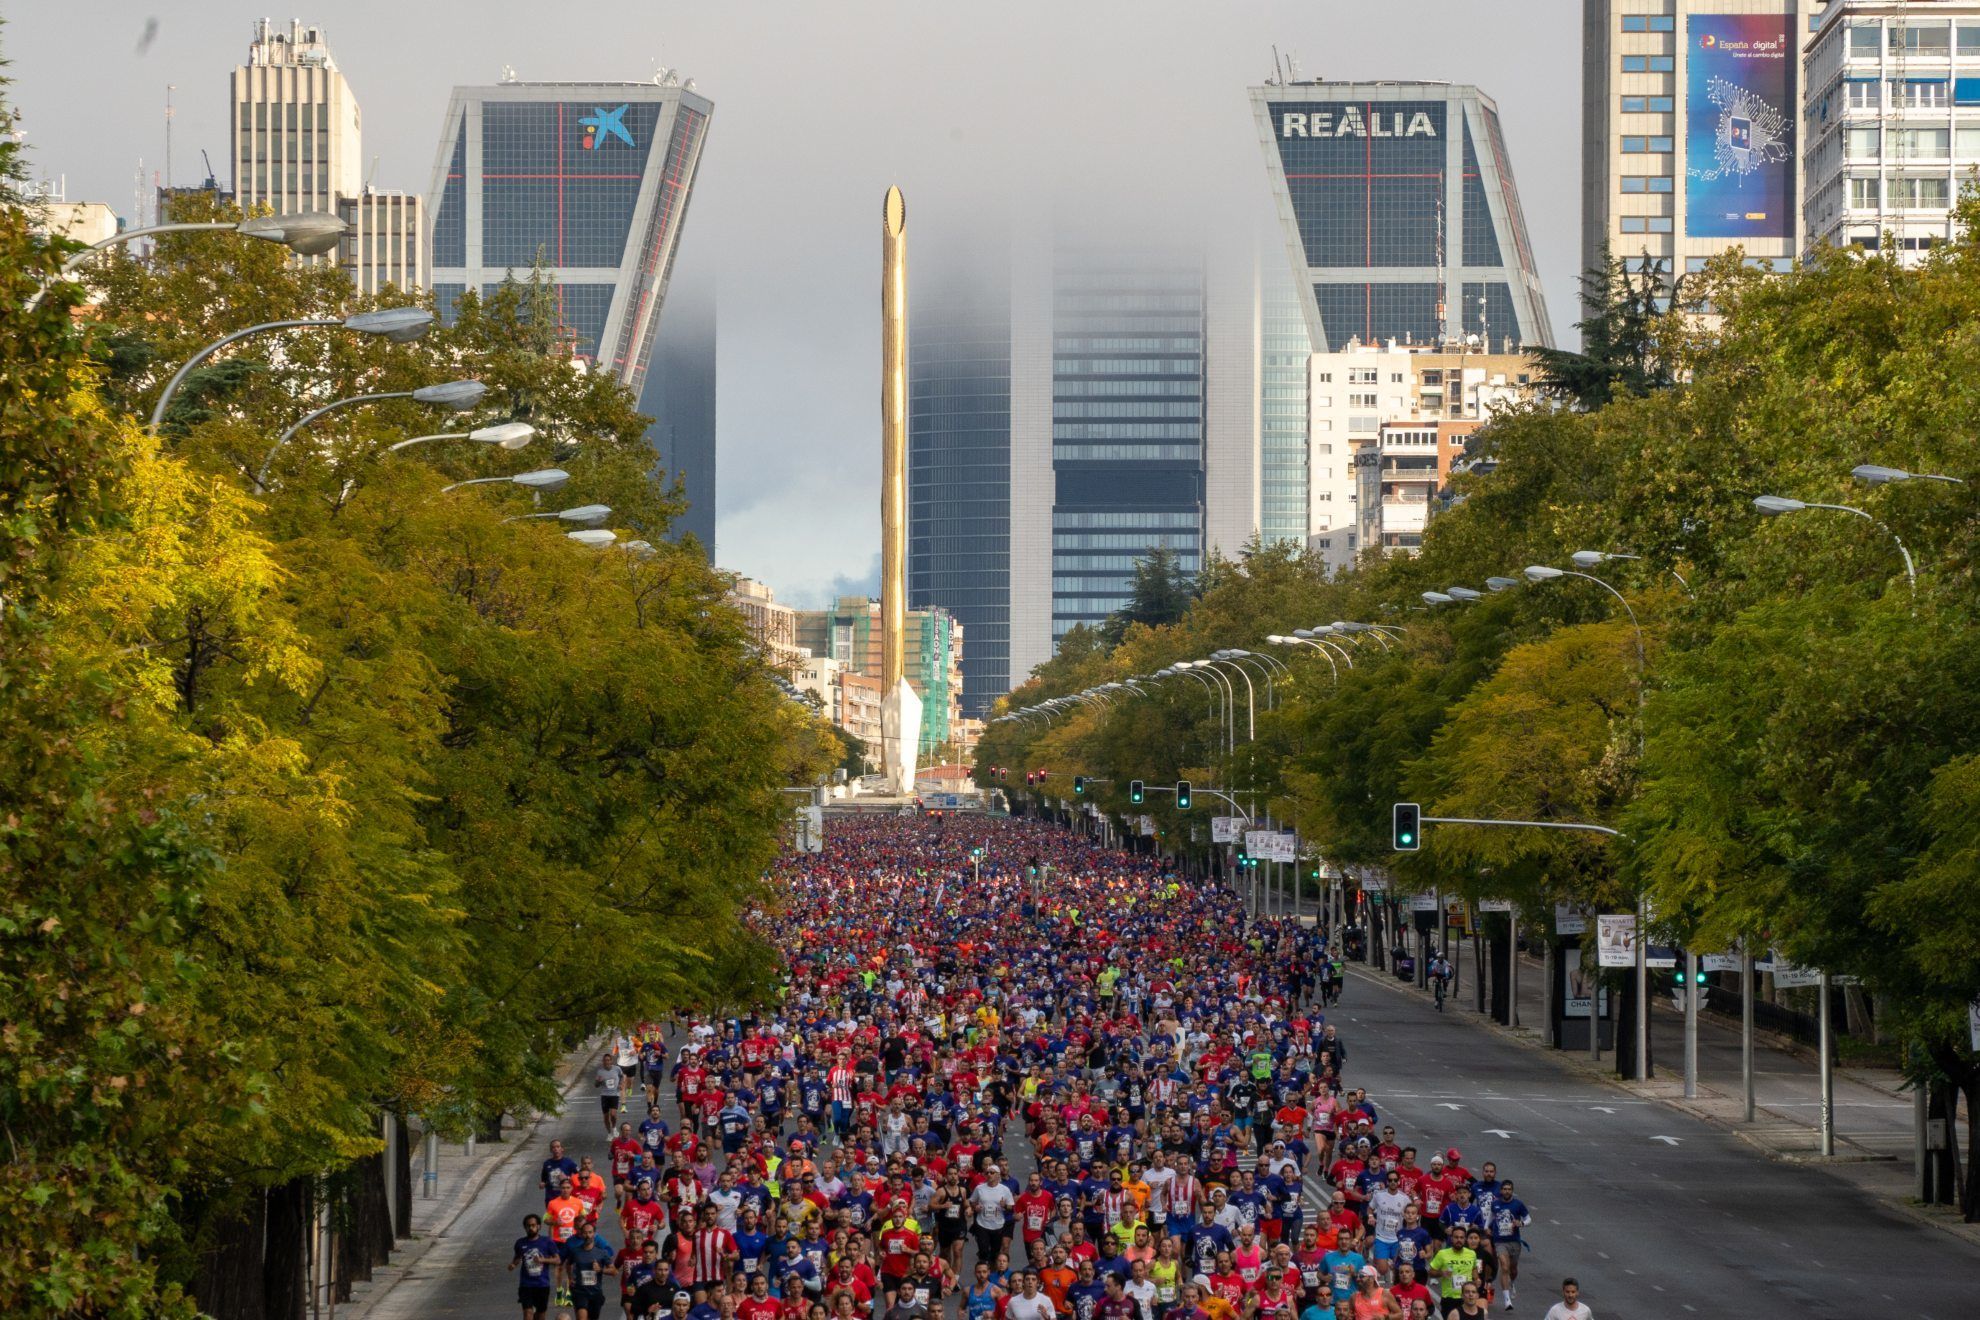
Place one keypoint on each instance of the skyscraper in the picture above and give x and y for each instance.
(1400, 214)
(384, 240)
(1689, 121)
(590, 178)
(1127, 422)
(680, 394)
(293, 124)
(1285, 464)
(959, 458)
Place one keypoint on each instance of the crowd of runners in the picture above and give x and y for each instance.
(1053, 1082)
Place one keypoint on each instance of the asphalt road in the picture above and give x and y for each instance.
(1657, 1213)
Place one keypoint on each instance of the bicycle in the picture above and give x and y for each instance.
(1437, 982)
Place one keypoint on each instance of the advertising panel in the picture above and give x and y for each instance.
(1224, 829)
(1739, 144)
(1615, 940)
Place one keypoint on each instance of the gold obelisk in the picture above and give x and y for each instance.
(900, 709)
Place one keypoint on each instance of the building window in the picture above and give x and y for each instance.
(1921, 40)
(1863, 194)
(1861, 144)
(1647, 183)
(1651, 105)
(1649, 23)
(1864, 39)
(1362, 401)
(1969, 40)
(1919, 194)
(1862, 93)
(1909, 143)
(1649, 63)
(1633, 224)
(1966, 140)
(1918, 93)
(1632, 145)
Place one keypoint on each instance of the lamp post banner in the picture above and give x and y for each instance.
(1615, 939)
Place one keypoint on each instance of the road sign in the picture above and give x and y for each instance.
(1424, 902)
(1495, 905)
(1718, 962)
(1374, 882)
(1615, 939)
(1789, 977)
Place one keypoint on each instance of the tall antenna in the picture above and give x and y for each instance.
(169, 89)
(1278, 72)
(1443, 333)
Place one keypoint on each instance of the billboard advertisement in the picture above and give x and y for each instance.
(1739, 144)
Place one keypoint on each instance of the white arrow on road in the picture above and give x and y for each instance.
(1448, 1105)
(1668, 1141)
(1499, 1132)
(1602, 1108)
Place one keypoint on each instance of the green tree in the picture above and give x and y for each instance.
(1621, 353)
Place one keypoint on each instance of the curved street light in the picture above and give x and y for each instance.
(1596, 558)
(398, 325)
(460, 395)
(1778, 504)
(1323, 636)
(580, 513)
(1278, 640)
(507, 435)
(1500, 583)
(593, 536)
(306, 233)
(1250, 693)
(1878, 475)
(539, 479)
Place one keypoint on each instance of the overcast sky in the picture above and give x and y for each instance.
(819, 105)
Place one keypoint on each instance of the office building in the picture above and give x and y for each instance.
(680, 395)
(772, 624)
(849, 633)
(959, 458)
(49, 211)
(592, 180)
(293, 124)
(1372, 469)
(1127, 423)
(384, 240)
(1690, 142)
(1892, 116)
(1399, 213)
(1284, 449)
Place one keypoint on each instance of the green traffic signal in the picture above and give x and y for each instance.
(1134, 791)
(1182, 795)
(1079, 785)
(1407, 821)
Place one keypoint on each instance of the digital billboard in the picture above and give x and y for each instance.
(1739, 146)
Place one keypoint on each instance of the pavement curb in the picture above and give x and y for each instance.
(1928, 1215)
(409, 1251)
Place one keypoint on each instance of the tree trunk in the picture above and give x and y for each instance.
(227, 1281)
(284, 1271)
(1502, 955)
(402, 1177)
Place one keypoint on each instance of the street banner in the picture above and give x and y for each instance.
(1374, 882)
(1424, 902)
(1718, 962)
(1495, 905)
(1789, 977)
(1281, 847)
(1224, 829)
(1615, 939)
(1256, 842)
(1147, 826)
(1569, 921)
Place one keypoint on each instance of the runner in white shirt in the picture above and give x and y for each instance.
(1030, 1304)
(1570, 1307)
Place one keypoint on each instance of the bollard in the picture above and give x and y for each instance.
(430, 1183)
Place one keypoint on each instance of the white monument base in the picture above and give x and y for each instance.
(900, 736)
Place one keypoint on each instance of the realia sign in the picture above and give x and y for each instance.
(1349, 120)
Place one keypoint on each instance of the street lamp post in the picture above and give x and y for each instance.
(459, 395)
(306, 233)
(1545, 573)
(505, 435)
(1778, 504)
(399, 325)
(539, 479)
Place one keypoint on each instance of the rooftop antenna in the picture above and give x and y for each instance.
(1278, 73)
(1443, 331)
(371, 173)
(212, 183)
(508, 73)
(1292, 66)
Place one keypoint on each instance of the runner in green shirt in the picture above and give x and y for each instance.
(1453, 1267)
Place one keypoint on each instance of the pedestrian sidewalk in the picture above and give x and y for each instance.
(464, 1169)
(1873, 1113)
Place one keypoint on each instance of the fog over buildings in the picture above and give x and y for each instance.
(1100, 118)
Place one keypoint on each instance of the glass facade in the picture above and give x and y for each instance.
(1283, 460)
(577, 177)
(1398, 194)
(959, 472)
(1127, 425)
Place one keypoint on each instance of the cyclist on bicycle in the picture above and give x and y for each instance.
(1440, 976)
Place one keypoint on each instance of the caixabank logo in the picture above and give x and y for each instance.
(602, 124)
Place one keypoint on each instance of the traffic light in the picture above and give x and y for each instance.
(1079, 785)
(1030, 777)
(1408, 821)
(976, 852)
(1134, 791)
(1182, 795)
(1678, 974)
